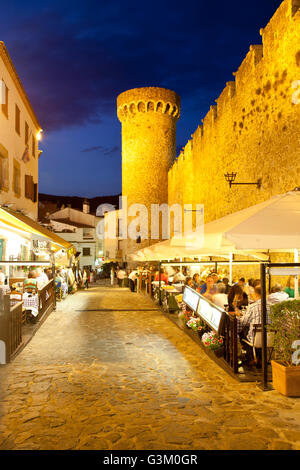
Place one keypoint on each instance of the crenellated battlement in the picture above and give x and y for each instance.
(148, 100)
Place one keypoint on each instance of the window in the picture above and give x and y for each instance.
(26, 133)
(17, 120)
(88, 233)
(86, 252)
(5, 104)
(3, 169)
(17, 179)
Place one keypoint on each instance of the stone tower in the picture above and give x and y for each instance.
(148, 117)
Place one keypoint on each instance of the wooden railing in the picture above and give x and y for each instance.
(231, 342)
(10, 328)
(46, 299)
(15, 327)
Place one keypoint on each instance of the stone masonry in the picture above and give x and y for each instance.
(108, 371)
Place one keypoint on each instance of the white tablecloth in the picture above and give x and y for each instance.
(4, 289)
(31, 302)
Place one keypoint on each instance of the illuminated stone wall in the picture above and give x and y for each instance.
(252, 130)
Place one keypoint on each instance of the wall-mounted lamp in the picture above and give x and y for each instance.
(230, 177)
(39, 135)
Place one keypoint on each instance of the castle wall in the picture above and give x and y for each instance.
(253, 130)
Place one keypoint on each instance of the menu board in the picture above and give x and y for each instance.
(211, 314)
(191, 298)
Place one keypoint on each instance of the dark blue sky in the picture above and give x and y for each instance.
(75, 57)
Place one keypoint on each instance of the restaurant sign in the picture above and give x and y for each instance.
(284, 271)
(39, 245)
(211, 314)
(191, 298)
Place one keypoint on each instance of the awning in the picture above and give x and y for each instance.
(271, 225)
(22, 222)
(165, 250)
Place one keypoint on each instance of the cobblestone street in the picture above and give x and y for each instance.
(97, 376)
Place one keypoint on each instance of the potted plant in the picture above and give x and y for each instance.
(285, 322)
(184, 316)
(212, 341)
(195, 324)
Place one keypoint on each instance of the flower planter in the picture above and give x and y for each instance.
(286, 380)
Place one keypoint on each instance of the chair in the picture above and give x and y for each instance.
(257, 343)
(58, 289)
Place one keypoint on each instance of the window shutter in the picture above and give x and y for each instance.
(29, 188)
(27, 185)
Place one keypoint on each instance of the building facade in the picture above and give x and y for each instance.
(80, 229)
(19, 135)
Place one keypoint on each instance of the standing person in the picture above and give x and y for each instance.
(132, 278)
(112, 276)
(121, 274)
(85, 279)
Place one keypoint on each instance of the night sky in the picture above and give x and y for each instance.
(75, 57)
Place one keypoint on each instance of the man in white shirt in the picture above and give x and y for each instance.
(277, 295)
(220, 298)
(121, 274)
(179, 277)
(42, 278)
(132, 278)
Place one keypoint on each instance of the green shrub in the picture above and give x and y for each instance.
(285, 321)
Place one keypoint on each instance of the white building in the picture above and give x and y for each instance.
(19, 135)
(79, 228)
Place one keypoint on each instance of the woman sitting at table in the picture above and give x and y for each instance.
(237, 298)
(30, 284)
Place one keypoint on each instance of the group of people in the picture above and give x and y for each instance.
(242, 299)
(37, 279)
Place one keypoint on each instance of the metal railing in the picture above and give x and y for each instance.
(231, 342)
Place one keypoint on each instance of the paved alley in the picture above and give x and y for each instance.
(107, 370)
